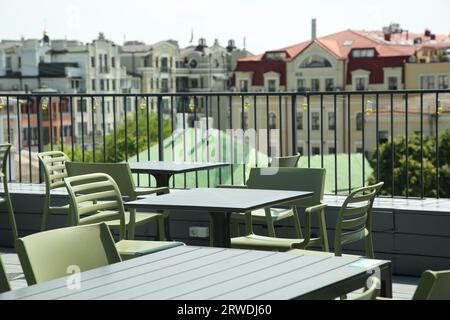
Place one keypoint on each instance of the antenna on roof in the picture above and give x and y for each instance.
(245, 43)
(313, 29)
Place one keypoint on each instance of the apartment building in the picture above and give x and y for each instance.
(345, 61)
(66, 67)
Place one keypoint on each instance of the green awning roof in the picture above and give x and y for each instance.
(194, 146)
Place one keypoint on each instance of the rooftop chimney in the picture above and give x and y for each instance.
(313, 29)
(387, 36)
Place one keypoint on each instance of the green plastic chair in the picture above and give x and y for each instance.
(49, 255)
(286, 161)
(6, 199)
(370, 293)
(4, 283)
(355, 219)
(295, 179)
(433, 285)
(108, 207)
(121, 173)
(53, 164)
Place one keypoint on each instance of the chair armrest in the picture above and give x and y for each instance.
(163, 190)
(230, 186)
(316, 208)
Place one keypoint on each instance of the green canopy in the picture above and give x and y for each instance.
(194, 145)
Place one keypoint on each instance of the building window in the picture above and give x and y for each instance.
(272, 121)
(300, 121)
(165, 85)
(361, 83)
(102, 85)
(363, 53)
(443, 82)
(315, 85)
(106, 62)
(113, 62)
(271, 85)
(114, 85)
(194, 83)
(93, 62)
(75, 84)
(359, 121)
(8, 63)
(107, 84)
(301, 85)
(315, 62)
(392, 83)
(359, 150)
(427, 82)
(300, 150)
(243, 85)
(81, 102)
(100, 62)
(331, 150)
(329, 84)
(93, 85)
(315, 151)
(331, 121)
(315, 121)
(20, 62)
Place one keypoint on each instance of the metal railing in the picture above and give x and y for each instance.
(360, 137)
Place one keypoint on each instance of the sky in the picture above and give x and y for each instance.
(265, 24)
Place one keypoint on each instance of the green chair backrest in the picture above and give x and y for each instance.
(433, 285)
(120, 172)
(101, 194)
(355, 217)
(286, 162)
(294, 179)
(53, 164)
(52, 254)
(4, 283)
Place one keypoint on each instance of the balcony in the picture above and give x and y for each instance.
(398, 137)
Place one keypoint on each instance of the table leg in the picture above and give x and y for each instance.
(386, 281)
(219, 229)
(162, 180)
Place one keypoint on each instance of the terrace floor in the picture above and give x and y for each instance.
(403, 287)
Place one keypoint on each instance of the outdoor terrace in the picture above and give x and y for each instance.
(360, 138)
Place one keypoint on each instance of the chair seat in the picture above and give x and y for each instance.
(254, 241)
(260, 214)
(129, 249)
(141, 218)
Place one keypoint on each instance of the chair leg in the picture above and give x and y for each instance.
(323, 232)
(131, 227)
(162, 229)
(45, 214)
(297, 225)
(12, 219)
(369, 246)
(235, 226)
(270, 225)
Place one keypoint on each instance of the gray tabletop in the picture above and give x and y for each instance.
(170, 167)
(219, 200)
(198, 273)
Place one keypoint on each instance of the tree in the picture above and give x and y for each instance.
(118, 144)
(414, 173)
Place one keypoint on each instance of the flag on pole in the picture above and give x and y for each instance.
(192, 35)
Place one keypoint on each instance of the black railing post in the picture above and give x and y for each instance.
(160, 129)
(294, 123)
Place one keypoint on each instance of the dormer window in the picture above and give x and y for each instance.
(315, 62)
(275, 55)
(363, 53)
